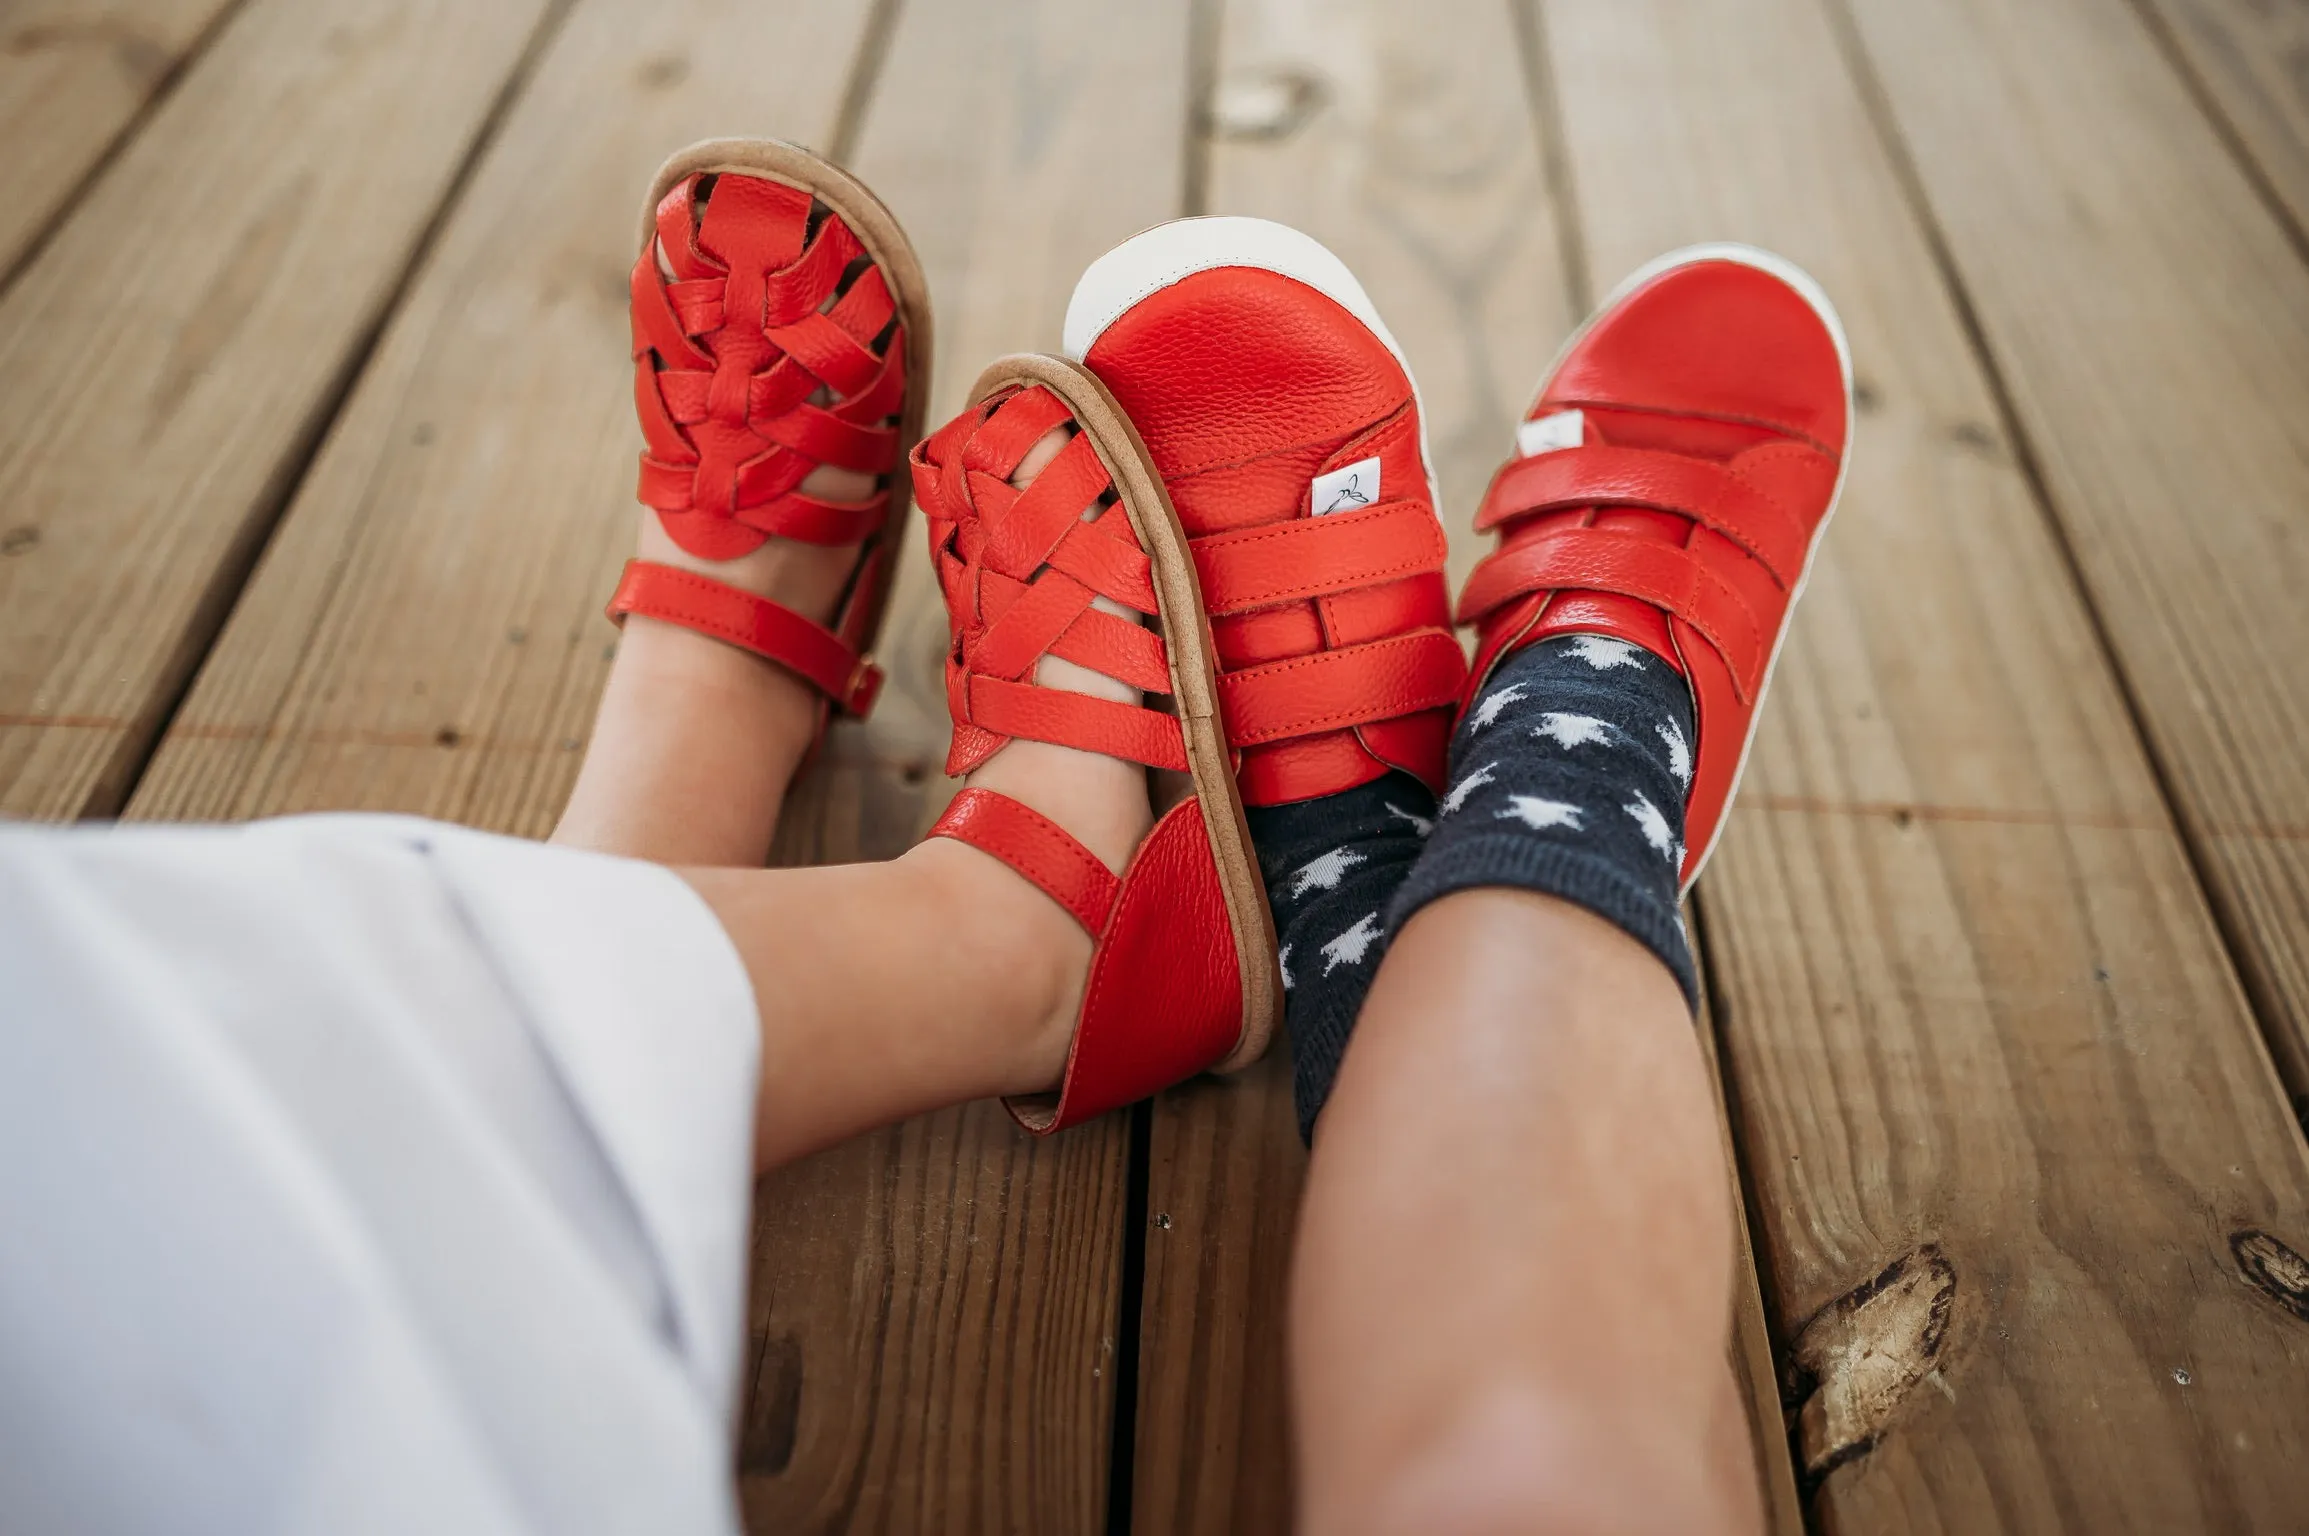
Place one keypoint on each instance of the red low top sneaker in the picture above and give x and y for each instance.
(1288, 433)
(1672, 481)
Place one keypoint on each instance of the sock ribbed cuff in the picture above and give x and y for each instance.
(1599, 884)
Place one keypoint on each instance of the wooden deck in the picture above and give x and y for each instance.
(315, 433)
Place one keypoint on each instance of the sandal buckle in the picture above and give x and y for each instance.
(864, 687)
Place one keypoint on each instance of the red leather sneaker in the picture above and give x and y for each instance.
(794, 332)
(1673, 478)
(1289, 435)
(1183, 975)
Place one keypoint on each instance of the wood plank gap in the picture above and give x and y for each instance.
(100, 159)
(865, 75)
(2224, 123)
(1756, 1348)
(1122, 1444)
(1555, 165)
(142, 739)
(1205, 21)
(2004, 1111)
(2236, 941)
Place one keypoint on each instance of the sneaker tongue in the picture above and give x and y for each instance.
(1381, 464)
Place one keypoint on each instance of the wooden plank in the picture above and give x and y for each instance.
(2007, 1124)
(2250, 60)
(1401, 138)
(170, 355)
(934, 1306)
(1224, 1171)
(425, 631)
(1755, 1363)
(1405, 141)
(981, 1289)
(73, 76)
(2150, 321)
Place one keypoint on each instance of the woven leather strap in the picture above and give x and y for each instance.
(1038, 848)
(754, 364)
(1020, 570)
(813, 652)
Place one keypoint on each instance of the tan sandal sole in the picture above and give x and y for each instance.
(877, 229)
(1186, 631)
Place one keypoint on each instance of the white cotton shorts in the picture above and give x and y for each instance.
(359, 1174)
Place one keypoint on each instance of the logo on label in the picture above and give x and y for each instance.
(1563, 429)
(1345, 489)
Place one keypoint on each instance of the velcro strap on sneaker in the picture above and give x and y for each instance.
(1038, 848)
(1709, 494)
(1333, 690)
(1602, 560)
(802, 646)
(1313, 557)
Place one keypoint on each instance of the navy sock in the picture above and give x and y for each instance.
(1332, 865)
(1568, 777)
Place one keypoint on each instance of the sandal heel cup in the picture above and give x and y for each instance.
(1164, 999)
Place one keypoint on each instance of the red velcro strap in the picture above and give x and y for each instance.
(1600, 560)
(1038, 848)
(1602, 475)
(1316, 556)
(1331, 690)
(808, 649)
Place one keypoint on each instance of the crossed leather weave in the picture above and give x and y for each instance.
(1020, 570)
(729, 352)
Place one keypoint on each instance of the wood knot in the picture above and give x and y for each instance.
(1865, 1352)
(2273, 1269)
(766, 1445)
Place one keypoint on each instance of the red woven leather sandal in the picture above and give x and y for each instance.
(1673, 478)
(1183, 976)
(1289, 436)
(794, 332)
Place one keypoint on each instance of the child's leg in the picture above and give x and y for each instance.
(1511, 1296)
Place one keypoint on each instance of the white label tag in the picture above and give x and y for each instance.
(1345, 489)
(1563, 429)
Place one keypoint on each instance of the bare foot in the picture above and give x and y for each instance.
(1101, 800)
(696, 741)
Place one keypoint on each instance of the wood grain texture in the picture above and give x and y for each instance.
(2001, 1102)
(2251, 63)
(934, 1332)
(1401, 138)
(2150, 319)
(73, 75)
(1404, 140)
(1755, 1362)
(425, 631)
(171, 353)
(977, 1271)
(1224, 1172)
(933, 1307)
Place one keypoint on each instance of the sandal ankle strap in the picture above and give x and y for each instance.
(1038, 848)
(804, 647)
